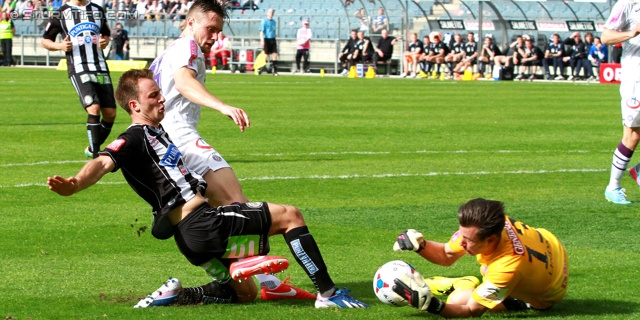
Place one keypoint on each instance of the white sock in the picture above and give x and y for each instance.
(621, 157)
(268, 280)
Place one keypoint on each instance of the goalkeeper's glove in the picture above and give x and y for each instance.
(417, 294)
(409, 239)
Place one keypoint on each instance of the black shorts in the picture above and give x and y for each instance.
(532, 63)
(224, 233)
(270, 46)
(94, 88)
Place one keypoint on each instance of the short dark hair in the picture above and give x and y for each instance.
(204, 6)
(486, 215)
(127, 88)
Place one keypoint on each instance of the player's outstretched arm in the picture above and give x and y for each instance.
(610, 37)
(91, 173)
(192, 89)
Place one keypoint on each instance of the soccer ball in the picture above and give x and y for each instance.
(383, 281)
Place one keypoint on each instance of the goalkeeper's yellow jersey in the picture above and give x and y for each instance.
(529, 264)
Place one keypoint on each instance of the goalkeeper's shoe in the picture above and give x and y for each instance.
(165, 295)
(633, 172)
(340, 299)
(616, 196)
(249, 267)
(285, 291)
(444, 286)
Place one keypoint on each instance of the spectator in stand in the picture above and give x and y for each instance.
(489, 51)
(598, 54)
(155, 10)
(348, 2)
(56, 4)
(364, 48)
(346, 54)
(180, 10)
(507, 59)
(553, 54)
(220, 50)
(580, 59)
(167, 6)
(141, 9)
(410, 58)
(384, 51)
(455, 55)
(9, 6)
(470, 56)
(20, 7)
(120, 42)
(531, 59)
(7, 30)
(28, 10)
(436, 57)
(427, 48)
(364, 19)
(303, 38)
(380, 22)
(128, 6)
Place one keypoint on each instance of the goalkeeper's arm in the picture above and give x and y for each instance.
(436, 252)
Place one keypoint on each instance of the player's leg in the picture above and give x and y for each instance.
(108, 108)
(630, 137)
(288, 221)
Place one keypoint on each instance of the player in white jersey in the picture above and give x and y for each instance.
(623, 26)
(180, 72)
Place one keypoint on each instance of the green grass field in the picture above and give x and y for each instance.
(363, 159)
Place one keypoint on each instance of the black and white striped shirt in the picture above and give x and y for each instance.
(83, 25)
(154, 168)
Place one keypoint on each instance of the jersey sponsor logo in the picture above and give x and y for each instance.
(216, 158)
(304, 258)
(194, 51)
(633, 103)
(171, 157)
(202, 144)
(80, 28)
(254, 205)
(116, 144)
(518, 248)
(491, 292)
(455, 236)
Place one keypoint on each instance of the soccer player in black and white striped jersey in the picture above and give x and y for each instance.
(84, 32)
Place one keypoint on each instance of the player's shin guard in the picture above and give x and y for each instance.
(105, 131)
(307, 254)
(94, 130)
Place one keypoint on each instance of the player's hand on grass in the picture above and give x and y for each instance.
(409, 240)
(417, 293)
(62, 186)
(237, 115)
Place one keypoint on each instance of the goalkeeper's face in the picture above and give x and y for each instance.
(472, 243)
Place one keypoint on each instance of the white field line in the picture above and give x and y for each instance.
(370, 176)
(335, 153)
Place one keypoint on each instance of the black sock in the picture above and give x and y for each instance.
(213, 292)
(450, 66)
(94, 131)
(274, 65)
(307, 254)
(105, 131)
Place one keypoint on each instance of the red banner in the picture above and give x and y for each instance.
(610, 73)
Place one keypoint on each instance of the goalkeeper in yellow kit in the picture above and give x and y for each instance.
(522, 267)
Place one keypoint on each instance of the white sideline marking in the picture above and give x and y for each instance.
(367, 176)
(334, 153)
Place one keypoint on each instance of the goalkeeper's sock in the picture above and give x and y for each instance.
(621, 157)
(307, 254)
(268, 280)
(93, 131)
